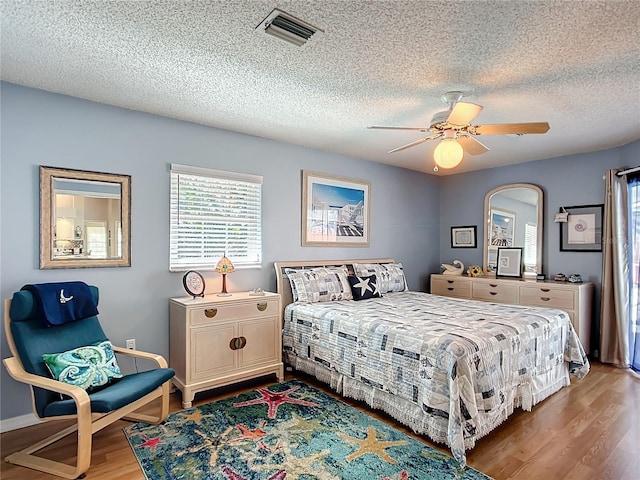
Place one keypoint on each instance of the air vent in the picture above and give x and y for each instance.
(288, 28)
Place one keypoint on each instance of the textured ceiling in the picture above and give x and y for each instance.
(575, 64)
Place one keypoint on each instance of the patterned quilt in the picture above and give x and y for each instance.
(464, 364)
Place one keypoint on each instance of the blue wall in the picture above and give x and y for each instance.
(40, 128)
(411, 213)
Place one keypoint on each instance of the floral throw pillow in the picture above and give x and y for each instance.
(85, 367)
(364, 287)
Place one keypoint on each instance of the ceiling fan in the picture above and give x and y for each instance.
(457, 135)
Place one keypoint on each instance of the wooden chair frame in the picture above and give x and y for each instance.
(87, 423)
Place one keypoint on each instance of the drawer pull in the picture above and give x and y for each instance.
(493, 285)
(545, 289)
(262, 306)
(210, 312)
(493, 293)
(545, 299)
(449, 281)
(450, 289)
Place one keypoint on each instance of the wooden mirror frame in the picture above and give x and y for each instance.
(539, 229)
(47, 216)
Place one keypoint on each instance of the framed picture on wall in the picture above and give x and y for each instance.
(335, 211)
(501, 228)
(509, 262)
(582, 232)
(464, 237)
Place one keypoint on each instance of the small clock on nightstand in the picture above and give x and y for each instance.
(193, 283)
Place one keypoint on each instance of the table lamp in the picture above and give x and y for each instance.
(224, 266)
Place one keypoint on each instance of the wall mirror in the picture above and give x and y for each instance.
(85, 219)
(513, 218)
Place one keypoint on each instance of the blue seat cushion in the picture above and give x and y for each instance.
(118, 394)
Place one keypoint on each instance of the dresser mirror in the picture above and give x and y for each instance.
(84, 219)
(513, 218)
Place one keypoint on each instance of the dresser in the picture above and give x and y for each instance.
(574, 298)
(216, 341)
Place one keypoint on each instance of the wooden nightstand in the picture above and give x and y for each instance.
(215, 341)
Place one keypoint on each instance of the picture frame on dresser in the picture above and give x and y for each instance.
(464, 237)
(510, 262)
(582, 232)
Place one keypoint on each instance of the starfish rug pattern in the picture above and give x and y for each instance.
(288, 431)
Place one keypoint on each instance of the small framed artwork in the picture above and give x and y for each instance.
(464, 237)
(335, 211)
(502, 228)
(509, 262)
(582, 232)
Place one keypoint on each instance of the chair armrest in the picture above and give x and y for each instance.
(15, 369)
(158, 359)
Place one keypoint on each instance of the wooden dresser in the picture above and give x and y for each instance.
(574, 298)
(215, 341)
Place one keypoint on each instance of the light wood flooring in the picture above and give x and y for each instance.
(588, 431)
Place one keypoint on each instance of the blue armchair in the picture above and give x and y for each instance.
(29, 339)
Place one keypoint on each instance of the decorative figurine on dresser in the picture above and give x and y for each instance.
(216, 341)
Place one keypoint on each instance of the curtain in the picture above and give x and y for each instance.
(634, 274)
(614, 305)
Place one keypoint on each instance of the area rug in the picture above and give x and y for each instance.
(285, 431)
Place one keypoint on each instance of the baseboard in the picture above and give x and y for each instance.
(18, 422)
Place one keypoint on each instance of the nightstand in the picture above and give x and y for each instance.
(215, 341)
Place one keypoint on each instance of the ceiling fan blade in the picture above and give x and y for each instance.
(472, 146)
(378, 127)
(463, 113)
(413, 144)
(512, 128)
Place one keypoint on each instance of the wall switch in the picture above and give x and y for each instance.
(131, 344)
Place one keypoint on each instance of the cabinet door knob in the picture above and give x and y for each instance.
(243, 342)
(210, 312)
(233, 344)
(262, 306)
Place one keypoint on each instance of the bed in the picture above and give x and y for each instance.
(451, 369)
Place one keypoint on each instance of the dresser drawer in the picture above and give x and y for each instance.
(542, 296)
(451, 287)
(495, 292)
(261, 307)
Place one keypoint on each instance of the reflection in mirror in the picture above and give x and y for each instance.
(513, 218)
(85, 219)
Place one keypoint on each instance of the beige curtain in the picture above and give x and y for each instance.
(614, 305)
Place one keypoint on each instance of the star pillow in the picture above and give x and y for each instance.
(364, 287)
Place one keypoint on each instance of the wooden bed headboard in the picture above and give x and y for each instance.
(282, 282)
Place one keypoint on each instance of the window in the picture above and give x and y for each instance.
(214, 213)
(530, 249)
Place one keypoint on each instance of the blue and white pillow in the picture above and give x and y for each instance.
(364, 287)
(85, 367)
(320, 284)
(390, 275)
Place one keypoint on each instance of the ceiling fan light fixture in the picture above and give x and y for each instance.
(448, 153)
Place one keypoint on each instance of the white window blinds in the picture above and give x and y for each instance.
(214, 213)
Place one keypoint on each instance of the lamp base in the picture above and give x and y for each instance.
(224, 294)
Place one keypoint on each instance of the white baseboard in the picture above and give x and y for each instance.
(18, 422)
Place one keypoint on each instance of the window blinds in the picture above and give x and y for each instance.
(214, 213)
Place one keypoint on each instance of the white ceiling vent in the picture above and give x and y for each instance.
(288, 28)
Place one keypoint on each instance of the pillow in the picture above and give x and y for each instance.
(85, 367)
(364, 288)
(321, 284)
(390, 275)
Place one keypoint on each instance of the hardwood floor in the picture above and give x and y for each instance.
(588, 431)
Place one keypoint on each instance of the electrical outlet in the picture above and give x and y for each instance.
(131, 344)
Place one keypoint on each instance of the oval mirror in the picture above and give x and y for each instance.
(84, 219)
(513, 218)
